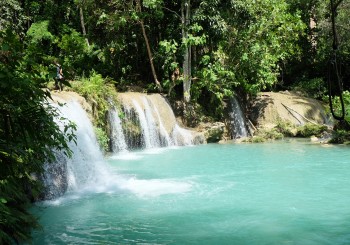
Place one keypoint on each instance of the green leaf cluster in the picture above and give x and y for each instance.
(100, 93)
(28, 135)
(310, 129)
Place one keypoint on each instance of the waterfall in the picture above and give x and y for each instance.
(86, 168)
(239, 129)
(117, 134)
(165, 136)
(152, 124)
(148, 122)
(182, 136)
(87, 164)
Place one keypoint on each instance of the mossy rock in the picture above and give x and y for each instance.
(255, 139)
(132, 130)
(272, 134)
(286, 128)
(309, 130)
(263, 135)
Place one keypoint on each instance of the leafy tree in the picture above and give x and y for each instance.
(28, 134)
(264, 37)
(11, 16)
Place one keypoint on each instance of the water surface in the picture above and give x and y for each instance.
(287, 192)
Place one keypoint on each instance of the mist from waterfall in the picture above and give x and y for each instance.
(239, 129)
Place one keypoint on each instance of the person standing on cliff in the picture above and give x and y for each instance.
(59, 77)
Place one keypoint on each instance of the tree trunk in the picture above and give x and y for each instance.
(149, 51)
(185, 19)
(82, 22)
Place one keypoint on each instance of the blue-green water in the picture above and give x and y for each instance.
(275, 193)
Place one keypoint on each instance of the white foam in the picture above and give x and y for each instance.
(68, 197)
(126, 156)
(155, 187)
(154, 151)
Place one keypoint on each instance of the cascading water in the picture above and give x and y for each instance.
(117, 135)
(86, 168)
(87, 165)
(182, 136)
(166, 140)
(152, 116)
(239, 129)
(148, 125)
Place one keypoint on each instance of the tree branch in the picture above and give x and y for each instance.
(172, 12)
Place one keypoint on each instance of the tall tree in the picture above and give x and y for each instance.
(187, 69)
(149, 51)
(81, 4)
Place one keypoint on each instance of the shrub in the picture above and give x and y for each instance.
(98, 91)
(265, 134)
(309, 130)
(315, 87)
(102, 138)
(340, 137)
(286, 128)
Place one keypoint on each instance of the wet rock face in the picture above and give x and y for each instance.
(149, 121)
(213, 132)
(269, 108)
(132, 130)
(55, 178)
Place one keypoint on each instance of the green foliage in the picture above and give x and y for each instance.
(39, 31)
(263, 135)
(24, 108)
(340, 137)
(74, 51)
(39, 45)
(238, 47)
(152, 4)
(346, 97)
(167, 51)
(216, 78)
(102, 138)
(314, 88)
(307, 130)
(310, 129)
(266, 37)
(11, 16)
(256, 139)
(286, 128)
(337, 104)
(98, 91)
(271, 134)
(15, 221)
(195, 37)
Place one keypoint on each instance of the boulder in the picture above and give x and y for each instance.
(270, 108)
(213, 132)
